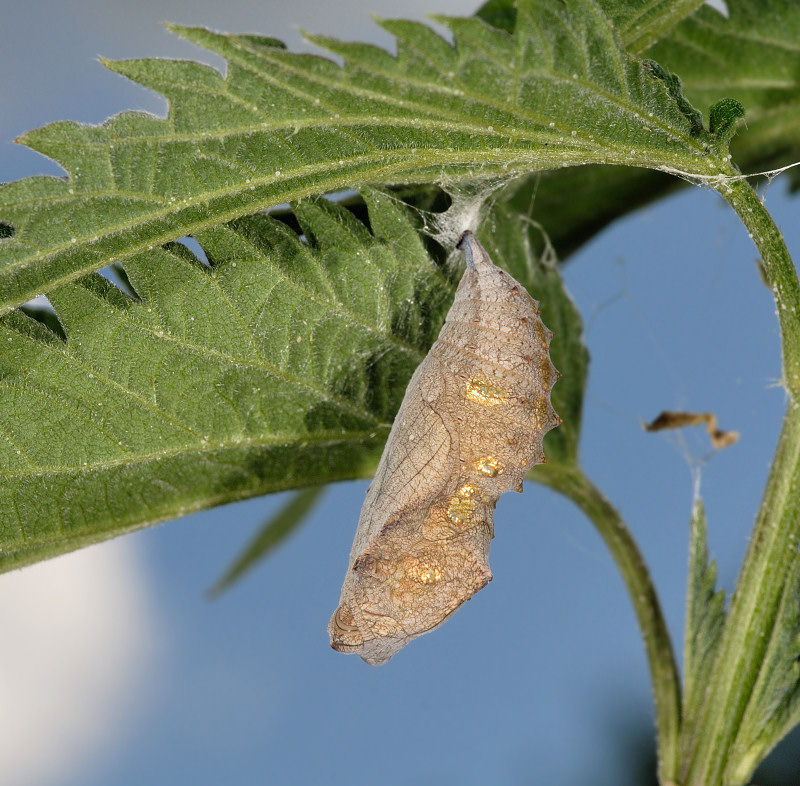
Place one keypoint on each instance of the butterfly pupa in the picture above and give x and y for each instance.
(468, 430)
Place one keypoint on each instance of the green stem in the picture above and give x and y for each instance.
(574, 485)
(773, 545)
(779, 271)
(754, 607)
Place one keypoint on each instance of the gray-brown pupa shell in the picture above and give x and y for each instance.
(469, 428)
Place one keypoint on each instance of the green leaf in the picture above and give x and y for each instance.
(274, 532)
(501, 14)
(280, 366)
(638, 24)
(753, 57)
(705, 617)
(774, 707)
(760, 619)
(510, 240)
(281, 126)
(723, 117)
(673, 84)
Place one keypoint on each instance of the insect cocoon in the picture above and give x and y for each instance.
(469, 428)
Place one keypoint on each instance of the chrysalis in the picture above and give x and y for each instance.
(469, 429)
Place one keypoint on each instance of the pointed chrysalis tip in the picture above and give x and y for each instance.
(477, 258)
(467, 243)
(463, 238)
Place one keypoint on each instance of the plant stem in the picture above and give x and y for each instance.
(573, 484)
(773, 545)
(779, 271)
(755, 603)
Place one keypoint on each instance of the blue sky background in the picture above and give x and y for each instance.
(116, 669)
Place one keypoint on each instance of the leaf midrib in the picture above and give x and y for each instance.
(346, 123)
(206, 446)
(411, 161)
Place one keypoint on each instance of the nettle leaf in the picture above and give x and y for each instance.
(705, 618)
(640, 24)
(774, 706)
(270, 536)
(753, 57)
(279, 126)
(637, 24)
(278, 366)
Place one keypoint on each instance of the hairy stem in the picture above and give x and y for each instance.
(573, 484)
(779, 271)
(754, 607)
(773, 545)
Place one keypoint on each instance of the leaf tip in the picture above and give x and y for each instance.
(184, 31)
(112, 65)
(724, 117)
(442, 19)
(675, 89)
(173, 27)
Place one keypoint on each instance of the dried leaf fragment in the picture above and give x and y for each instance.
(469, 429)
(719, 439)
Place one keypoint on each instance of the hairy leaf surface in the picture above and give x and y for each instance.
(705, 616)
(278, 126)
(753, 56)
(774, 707)
(279, 366)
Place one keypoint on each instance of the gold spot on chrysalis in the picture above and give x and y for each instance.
(459, 510)
(489, 466)
(461, 506)
(541, 410)
(538, 329)
(546, 370)
(483, 392)
(424, 573)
